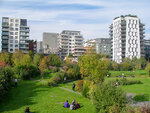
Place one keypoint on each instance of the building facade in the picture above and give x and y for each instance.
(70, 42)
(50, 43)
(127, 34)
(40, 47)
(15, 35)
(147, 49)
(103, 46)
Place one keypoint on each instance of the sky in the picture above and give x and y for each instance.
(91, 17)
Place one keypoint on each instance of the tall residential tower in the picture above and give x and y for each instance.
(15, 35)
(127, 33)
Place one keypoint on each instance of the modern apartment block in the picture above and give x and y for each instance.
(50, 43)
(70, 42)
(127, 34)
(15, 35)
(40, 47)
(103, 46)
(147, 49)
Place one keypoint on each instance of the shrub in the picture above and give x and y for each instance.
(79, 85)
(51, 82)
(125, 81)
(108, 98)
(25, 72)
(85, 89)
(141, 97)
(6, 76)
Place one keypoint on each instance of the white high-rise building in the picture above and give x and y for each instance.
(127, 38)
(70, 42)
(15, 35)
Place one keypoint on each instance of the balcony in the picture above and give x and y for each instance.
(5, 24)
(5, 33)
(27, 35)
(5, 29)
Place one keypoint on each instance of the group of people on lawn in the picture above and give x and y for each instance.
(74, 105)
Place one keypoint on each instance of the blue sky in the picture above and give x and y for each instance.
(91, 17)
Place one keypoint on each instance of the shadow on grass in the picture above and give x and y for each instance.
(21, 96)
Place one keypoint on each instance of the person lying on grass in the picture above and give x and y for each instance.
(66, 104)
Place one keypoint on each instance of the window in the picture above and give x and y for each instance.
(16, 20)
(11, 33)
(16, 29)
(16, 25)
(11, 24)
(11, 20)
(11, 37)
(11, 28)
(11, 41)
(16, 37)
(16, 45)
(16, 41)
(11, 45)
(16, 33)
(11, 49)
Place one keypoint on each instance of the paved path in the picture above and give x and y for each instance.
(70, 90)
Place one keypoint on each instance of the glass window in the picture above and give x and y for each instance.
(16, 45)
(16, 37)
(11, 37)
(11, 41)
(16, 41)
(16, 33)
(16, 29)
(11, 33)
(11, 45)
(11, 20)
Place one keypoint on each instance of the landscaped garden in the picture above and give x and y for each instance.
(45, 83)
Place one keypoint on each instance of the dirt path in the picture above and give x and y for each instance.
(70, 90)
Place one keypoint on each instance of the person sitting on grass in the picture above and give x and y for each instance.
(73, 105)
(77, 105)
(27, 110)
(66, 104)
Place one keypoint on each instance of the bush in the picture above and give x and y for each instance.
(6, 76)
(51, 82)
(141, 97)
(85, 89)
(125, 81)
(79, 85)
(108, 98)
(25, 72)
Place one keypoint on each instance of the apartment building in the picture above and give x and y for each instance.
(50, 43)
(40, 47)
(103, 46)
(15, 35)
(127, 34)
(70, 42)
(147, 48)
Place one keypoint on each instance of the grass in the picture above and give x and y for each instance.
(42, 99)
(140, 73)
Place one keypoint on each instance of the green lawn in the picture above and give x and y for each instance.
(42, 99)
(138, 73)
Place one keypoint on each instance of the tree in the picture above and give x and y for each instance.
(93, 67)
(148, 68)
(36, 59)
(43, 65)
(54, 60)
(115, 65)
(126, 64)
(5, 57)
(143, 62)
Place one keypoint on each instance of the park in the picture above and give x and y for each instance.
(42, 87)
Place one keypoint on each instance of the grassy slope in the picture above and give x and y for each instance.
(42, 99)
(128, 73)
